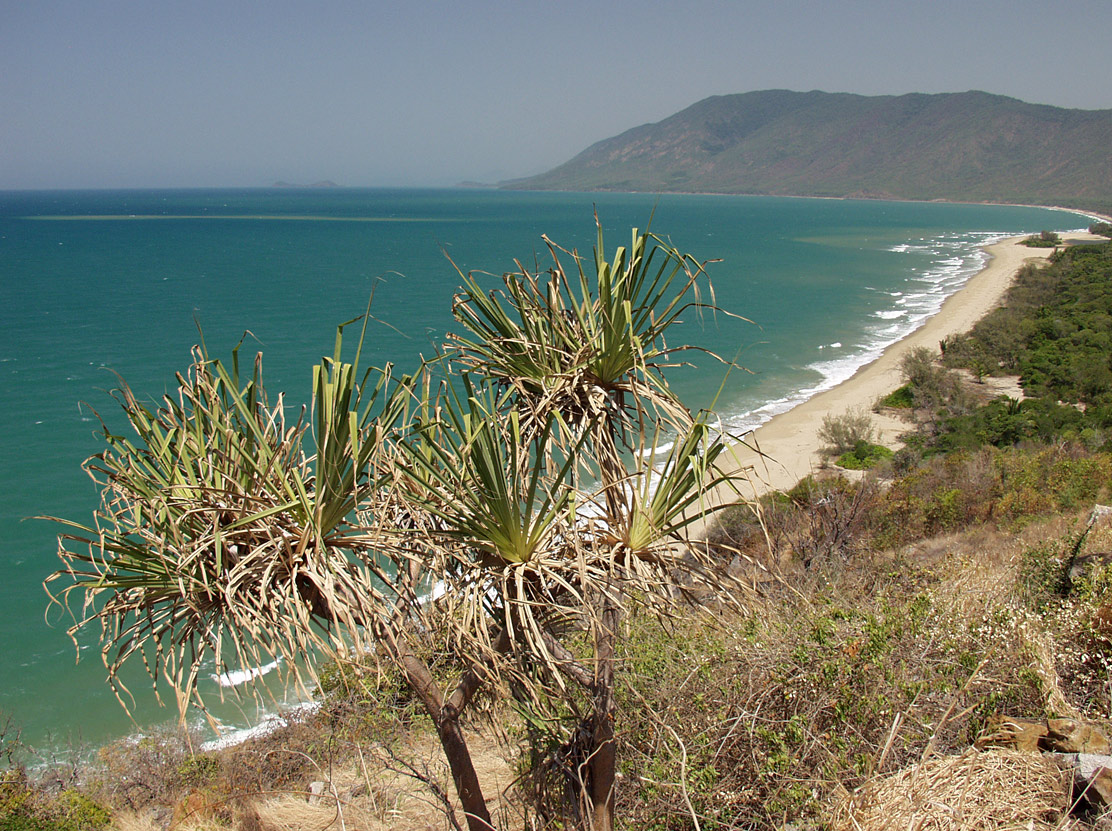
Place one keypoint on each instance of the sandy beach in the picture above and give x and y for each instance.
(789, 443)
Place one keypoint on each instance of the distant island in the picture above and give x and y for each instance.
(970, 147)
(326, 183)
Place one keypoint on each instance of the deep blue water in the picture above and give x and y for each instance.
(93, 283)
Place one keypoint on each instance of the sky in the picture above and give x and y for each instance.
(243, 93)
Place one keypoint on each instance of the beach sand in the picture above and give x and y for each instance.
(789, 445)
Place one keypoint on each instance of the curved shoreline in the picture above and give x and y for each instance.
(786, 448)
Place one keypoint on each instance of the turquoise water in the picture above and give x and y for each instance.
(96, 282)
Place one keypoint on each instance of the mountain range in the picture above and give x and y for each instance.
(970, 146)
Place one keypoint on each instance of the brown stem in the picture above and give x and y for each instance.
(446, 719)
(476, 676)
(568, 665)
(444, 714)
(602, 764)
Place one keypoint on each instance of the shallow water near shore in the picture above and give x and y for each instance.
(100, 282)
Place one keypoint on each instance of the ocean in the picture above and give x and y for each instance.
(99, 283)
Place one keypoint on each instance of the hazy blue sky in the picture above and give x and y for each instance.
(149, 93)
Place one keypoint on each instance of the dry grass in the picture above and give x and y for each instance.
(289, 813)
(133, 821)
(831, 682)
(976, 791)
(372, 789)
(854, 671)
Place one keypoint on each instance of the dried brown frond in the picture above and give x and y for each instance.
(976, 791)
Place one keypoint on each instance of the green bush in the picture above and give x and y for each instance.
(933, 389)
(25, 808)
(1044, 239)
(864, 456)
(351, 682)
(902, 398)
(17, 806)
(198, 771)
(77, 811)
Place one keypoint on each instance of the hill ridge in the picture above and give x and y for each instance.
(970, 146)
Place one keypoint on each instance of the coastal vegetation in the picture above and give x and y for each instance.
(842, 433)
(971, 146)
(850, 438)
(857, 656)
(1044, 239)
(1054, 333)
(824, 640)
(973, 457)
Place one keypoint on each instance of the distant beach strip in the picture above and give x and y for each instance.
(787, 447)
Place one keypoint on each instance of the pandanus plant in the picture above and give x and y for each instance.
(580, 354)
(503, 501)
(527, 561)
(219, 538)
(218, 535)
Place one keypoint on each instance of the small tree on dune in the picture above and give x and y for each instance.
(506, 500)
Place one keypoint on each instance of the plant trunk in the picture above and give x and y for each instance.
(597, 787)
(463, 774)
(445, 715)
(602, 767)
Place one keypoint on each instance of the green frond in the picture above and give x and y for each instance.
(216, 526)
(544, 330)
(475, 470)
(669, 493)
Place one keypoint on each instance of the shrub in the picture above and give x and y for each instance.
(25, 806)
(80, 812)
(901, 398)
(16, 803)
(198, 771)
(1044, 239)
(831, 522)
(917, 367)
(864, 456)
(808, 695)
(367, 703)
(1039, 577)
(933, 387)
(842, 432)
(138, 772)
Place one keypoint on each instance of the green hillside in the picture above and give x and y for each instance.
(969, 146)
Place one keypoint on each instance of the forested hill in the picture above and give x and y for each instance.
(969, 146)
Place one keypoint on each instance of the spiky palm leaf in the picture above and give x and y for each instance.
(514, 545)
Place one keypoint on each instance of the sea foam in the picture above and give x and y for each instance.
(956, 258)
